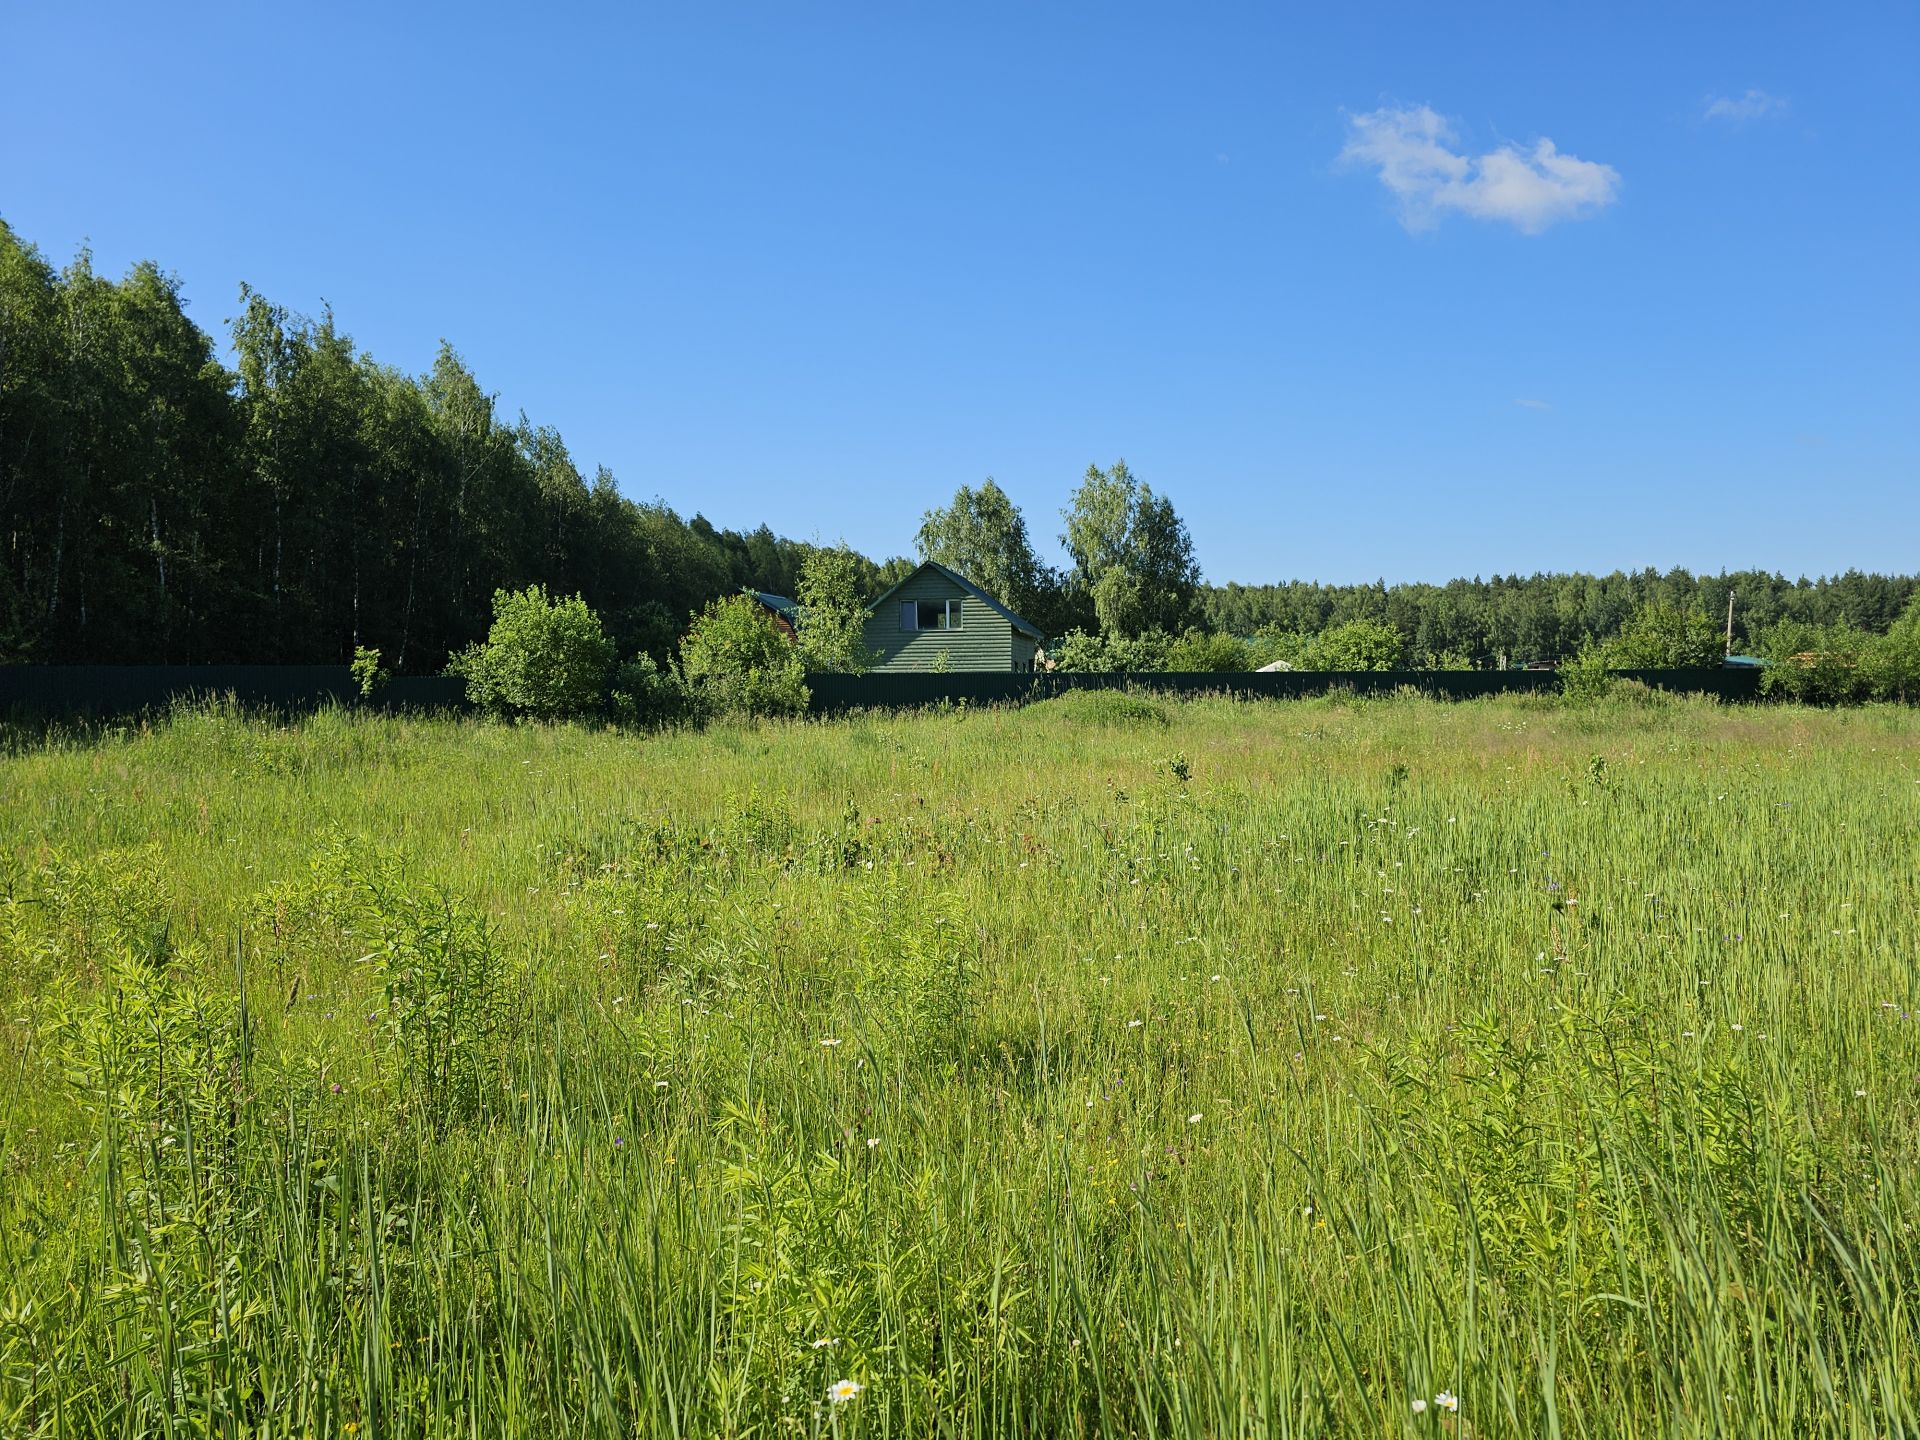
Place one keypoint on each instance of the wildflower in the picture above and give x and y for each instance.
(872, 1141)
(1448, 1401)
(1859, 1094)
(618, 1142)
(825, 1343)
(1195, 1118)
(1135, 1024)
(1216, 979)
(659, 1084)
(842, 1391)
(1419, 1406)
(828, 1042)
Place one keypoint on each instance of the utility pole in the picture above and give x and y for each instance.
(1729, 622)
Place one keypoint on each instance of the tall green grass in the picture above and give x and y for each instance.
(1108, 1067)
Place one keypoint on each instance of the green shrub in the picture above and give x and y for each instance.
(1081, 650)
(1587, 677)
(1358, 645)
(369, 675)
(738, 664)
(1816, 664)
(1893, 660)
(1199, 650)
(543, 659)
(646, 696)
(1662, 637)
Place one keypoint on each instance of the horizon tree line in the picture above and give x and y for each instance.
(157, 504)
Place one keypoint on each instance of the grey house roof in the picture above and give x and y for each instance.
(1025, 627)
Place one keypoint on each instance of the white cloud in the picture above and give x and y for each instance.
(1412, 149)
(1754, 105)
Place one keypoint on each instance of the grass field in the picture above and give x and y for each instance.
(1108, 1067)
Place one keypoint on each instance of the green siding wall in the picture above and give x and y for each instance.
(984, 641)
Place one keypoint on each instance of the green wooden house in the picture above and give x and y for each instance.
(936, 619)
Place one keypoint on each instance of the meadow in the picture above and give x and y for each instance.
(1105, 1067)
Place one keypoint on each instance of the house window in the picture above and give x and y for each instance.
(930, 615)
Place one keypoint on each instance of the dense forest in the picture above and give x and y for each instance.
(158, 504)
(1516, 619)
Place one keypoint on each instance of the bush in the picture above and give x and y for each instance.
(369, 675)
(1817, 664)
(1215, 653)
(543, 659)
(1357, 645)
(645, 696)
(1111, 654)
(736, 663)
(1893, 660)
(1661, 637)
(1587, 677)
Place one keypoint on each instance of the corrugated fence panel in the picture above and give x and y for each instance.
(894, 690)
(103, 690)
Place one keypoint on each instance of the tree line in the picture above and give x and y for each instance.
(1512, 620)
(1132, 598)
(307, 503)
(159, 506)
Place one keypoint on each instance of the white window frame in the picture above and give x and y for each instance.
(952, 615)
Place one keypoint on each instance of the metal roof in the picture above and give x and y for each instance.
(779, 604)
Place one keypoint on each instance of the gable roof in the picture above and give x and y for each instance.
(1025, 627)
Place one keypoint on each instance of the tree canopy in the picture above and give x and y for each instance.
(983, 536)
(1132, 556)
(158, 506)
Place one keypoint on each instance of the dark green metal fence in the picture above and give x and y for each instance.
(102, 691)
(894, 690)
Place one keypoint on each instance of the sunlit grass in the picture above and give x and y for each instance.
(1109, 1066)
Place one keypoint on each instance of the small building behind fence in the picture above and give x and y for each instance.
(938, 620)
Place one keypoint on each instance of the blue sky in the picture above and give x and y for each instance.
(1370, 291)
